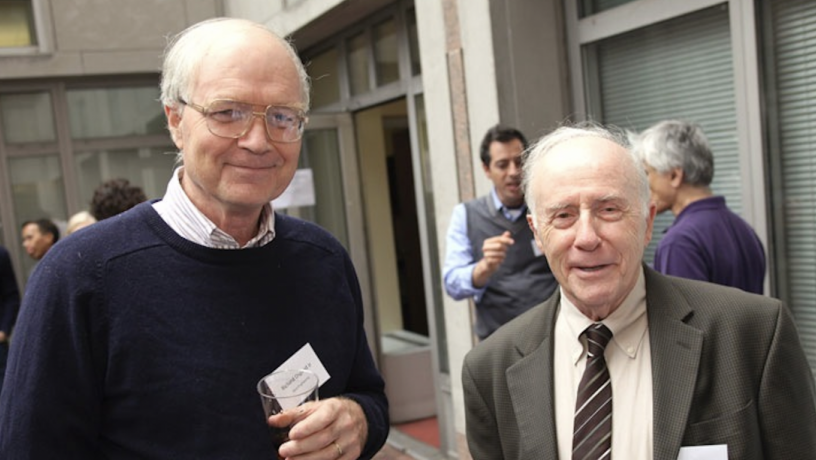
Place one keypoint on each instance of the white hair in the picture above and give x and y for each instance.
(186, 51)
(544, 146)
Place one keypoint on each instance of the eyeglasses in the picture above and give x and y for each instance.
(231, 119)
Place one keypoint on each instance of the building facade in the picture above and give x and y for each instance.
(402, 94)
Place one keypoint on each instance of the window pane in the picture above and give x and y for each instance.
(16, 24)
(590, 7)
(358, 64)
(385, 52)
(27, 117)
(38, 192)
(325, 79)
(109, 112)
(793, 100)
(321, 153)
(678, 69)
(149, 168)
(413, 43)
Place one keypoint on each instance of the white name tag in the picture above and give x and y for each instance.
(715, 452)
(306, 358)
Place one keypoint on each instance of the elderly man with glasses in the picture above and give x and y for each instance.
(144, 336)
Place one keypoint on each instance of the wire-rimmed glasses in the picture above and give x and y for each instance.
(232, 119)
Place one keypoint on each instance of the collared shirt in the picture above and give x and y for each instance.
(629, 359)
(184, 218)
(459, 259)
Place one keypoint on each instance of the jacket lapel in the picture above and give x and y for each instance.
(676, 349)
(530, 384)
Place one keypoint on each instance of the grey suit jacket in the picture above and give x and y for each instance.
(727, 368)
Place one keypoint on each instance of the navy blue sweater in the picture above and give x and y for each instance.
(133, 342)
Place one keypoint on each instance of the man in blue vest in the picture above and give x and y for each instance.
(491, 253)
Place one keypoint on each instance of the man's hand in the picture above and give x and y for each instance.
(3, 337)
(494, 250)
(334, 428)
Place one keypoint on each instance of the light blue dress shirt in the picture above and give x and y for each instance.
(459, 260)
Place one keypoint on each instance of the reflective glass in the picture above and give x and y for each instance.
(16, 24)
(385, 52)
(321, 153)
(27, 117)
(413, 43)
(38, 192)
(113, 112)
(149, 168)
(358, 64)
(232, 119)
(325, 78)
(590, 7)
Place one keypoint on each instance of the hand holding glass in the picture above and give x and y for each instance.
(284, 390)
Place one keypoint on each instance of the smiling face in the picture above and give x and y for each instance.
(505, 171)
(589, 221)
(231, 177)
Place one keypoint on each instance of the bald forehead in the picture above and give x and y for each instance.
(586, 152)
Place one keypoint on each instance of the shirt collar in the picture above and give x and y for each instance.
(188, 221)
(508, 214)
(628, 322)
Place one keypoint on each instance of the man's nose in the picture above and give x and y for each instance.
(586, 236)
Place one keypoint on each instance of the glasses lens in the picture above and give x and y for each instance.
(228, 118)
(284, 124)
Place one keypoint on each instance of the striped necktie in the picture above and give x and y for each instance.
(592, 432)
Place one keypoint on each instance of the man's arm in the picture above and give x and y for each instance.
(51, 371)
(458, 269)
(9, 296)
(482, 431)
(787, 398)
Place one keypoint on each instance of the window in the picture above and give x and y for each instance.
(385, 52)
(325, 78)
(17, 24)
(791, 95)
(61, 140)
(681, 68)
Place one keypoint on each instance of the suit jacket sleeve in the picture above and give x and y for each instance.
(787, 399)
(482, 430)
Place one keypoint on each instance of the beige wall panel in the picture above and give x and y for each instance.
(121, 62)
(120, 25)
(40, 66)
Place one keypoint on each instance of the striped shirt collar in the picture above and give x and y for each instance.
(184, 218)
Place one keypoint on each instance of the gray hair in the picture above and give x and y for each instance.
(186, 51)
(544, 146)
(674, 144)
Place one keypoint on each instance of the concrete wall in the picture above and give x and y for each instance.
(98, 37)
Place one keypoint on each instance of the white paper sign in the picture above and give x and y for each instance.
(300, 191)
(714, 452)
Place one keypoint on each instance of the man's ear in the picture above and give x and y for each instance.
(173, 115)
(676, 177)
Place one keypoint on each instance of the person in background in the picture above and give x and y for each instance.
(115, 196)
(491, 254)
(144, 336)
(39, 236)
(79, 221)
(707, 241)
(9, 305)
(622, 360)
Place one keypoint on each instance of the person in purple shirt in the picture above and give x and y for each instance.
(707, 241)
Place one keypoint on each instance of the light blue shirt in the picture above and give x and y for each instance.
(459, 260)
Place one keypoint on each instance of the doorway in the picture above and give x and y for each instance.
(390, 214)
